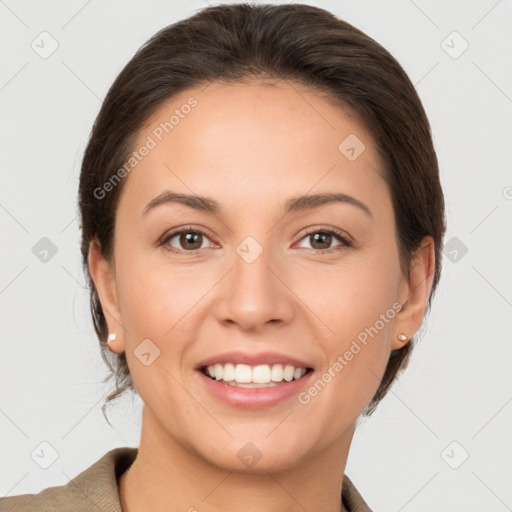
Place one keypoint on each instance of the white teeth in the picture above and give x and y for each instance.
(276, 373)
(297, 374)
(261, 374)
(228, 372)
(254, 376)
(243, 373)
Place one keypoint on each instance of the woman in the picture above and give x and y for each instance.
(262, 221)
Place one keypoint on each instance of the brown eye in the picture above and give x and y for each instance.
(191, 241)
(321, 240)
(187, 240)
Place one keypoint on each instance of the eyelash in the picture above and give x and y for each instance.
(189, 229)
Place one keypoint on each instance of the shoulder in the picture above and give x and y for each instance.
(351, 497)
(95, 488)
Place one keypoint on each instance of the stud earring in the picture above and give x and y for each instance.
(111, 337)
(402, 337)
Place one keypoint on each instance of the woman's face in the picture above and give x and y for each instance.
(265, 275)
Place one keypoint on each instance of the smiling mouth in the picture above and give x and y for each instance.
(252, 384)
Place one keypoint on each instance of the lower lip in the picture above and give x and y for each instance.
(254, 398)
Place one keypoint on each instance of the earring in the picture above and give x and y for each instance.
(111, 337)
(402, 337)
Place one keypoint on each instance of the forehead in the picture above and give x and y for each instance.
(254, 140)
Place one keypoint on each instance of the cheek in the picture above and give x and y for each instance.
(355, 306)
(155, 302)
(152, 294)
(356, 354)
(351, 296)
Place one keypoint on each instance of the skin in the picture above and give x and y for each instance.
(250, 147)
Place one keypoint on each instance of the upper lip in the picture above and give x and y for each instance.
(252, 359)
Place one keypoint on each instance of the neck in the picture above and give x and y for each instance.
(167, 475)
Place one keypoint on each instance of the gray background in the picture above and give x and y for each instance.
(455, 400)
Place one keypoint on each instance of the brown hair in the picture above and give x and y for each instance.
(295, 42)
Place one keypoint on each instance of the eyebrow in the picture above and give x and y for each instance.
(294, 204)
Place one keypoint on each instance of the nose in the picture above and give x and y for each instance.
(254, 294)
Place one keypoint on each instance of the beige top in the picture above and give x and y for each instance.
(95, 490)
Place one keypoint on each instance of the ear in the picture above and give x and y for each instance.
(415, 292)
(103, 276)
